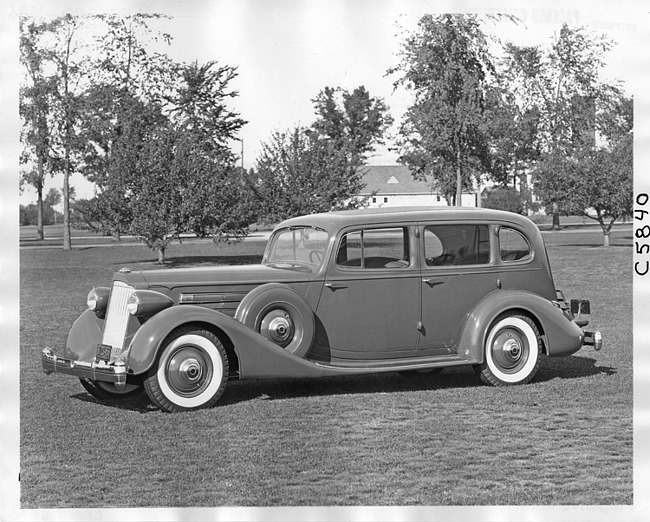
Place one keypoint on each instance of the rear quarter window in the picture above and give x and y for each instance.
(513, 245)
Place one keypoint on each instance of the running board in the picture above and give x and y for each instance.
(395, 365)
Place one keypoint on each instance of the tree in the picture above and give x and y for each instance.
(50, 102)
(122, 104)
(318, 169)
(562, 83)
(34, 107)
(354, 122)
(596, 182)
(297, 173)
(512, 134)
(446, 63)
(185, 179)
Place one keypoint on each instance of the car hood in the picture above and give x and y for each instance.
(209, 276)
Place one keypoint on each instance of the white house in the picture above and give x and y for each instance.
(394, 186)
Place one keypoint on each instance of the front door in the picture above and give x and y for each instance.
(456, 273)
(369, 306)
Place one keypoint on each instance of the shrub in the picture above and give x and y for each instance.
(505, 198)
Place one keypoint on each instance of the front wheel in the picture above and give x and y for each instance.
(512, 351)
(191, 372)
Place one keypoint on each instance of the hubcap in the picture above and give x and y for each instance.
(188, 371)
(277, 326)
(510, 350)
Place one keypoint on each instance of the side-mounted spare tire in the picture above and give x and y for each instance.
(281, 315)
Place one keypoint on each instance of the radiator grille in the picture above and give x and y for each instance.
(117, 317)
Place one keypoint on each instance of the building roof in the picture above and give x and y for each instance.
(392, 179)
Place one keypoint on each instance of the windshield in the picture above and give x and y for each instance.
(297, 247)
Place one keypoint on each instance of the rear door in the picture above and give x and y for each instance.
(369, 307)
(457, 272)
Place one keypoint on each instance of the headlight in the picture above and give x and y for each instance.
(147, 302)
(97, 299)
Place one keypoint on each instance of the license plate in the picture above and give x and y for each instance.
(103, 352)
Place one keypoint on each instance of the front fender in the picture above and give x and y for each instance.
(563, 336)
(258, 357)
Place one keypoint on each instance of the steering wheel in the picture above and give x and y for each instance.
(315, 257)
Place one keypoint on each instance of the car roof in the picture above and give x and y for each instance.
(333, 221)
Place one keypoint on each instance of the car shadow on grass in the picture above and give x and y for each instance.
(138, 403)
(282, 389)
(570, 368)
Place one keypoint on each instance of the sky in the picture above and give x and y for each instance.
(286, 51)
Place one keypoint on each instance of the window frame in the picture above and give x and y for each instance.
(409, 241)
(490, 251)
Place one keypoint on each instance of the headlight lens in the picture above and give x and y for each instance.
(133, 304)
(97, 299)
(147, 302)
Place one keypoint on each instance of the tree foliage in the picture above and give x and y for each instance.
(299, 173)
(562, 83)
(596, 182)
(354, 122)
(318, 169)
(151, 134)
(446, 63)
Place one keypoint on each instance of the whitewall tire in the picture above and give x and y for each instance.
(512, 351)
(191, 371)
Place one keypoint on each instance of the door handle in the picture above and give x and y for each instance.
(334, 287)
(433, 281)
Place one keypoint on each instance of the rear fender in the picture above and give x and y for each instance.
(562, 335)
(258, 357)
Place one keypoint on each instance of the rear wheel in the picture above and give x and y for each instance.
(512, 351)
(191, 371)
(107, 391)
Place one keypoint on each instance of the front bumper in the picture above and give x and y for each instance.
(97, 371)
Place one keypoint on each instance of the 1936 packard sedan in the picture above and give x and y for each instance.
(340, 293)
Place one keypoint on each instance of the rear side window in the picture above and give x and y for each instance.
(513, 246)
(461, 244)
(374, 248)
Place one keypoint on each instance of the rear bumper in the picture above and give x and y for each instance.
(115, 373)
(594, 339)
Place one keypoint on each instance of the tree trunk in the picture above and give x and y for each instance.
(161, 256)
(523, 191)
(606, 239)
(459, 180)
(39, 215)
(39, 202)
(67, 240)
(556, 217)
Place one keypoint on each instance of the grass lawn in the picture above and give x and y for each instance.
(564, 439)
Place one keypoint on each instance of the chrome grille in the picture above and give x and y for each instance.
(117, 317)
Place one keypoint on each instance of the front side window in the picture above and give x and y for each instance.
(461, 244)
(374, 248)
(513, 246)
(304, 246)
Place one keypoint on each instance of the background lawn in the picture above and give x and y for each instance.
(564, 439)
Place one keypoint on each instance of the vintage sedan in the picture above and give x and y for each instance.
(383, 290)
